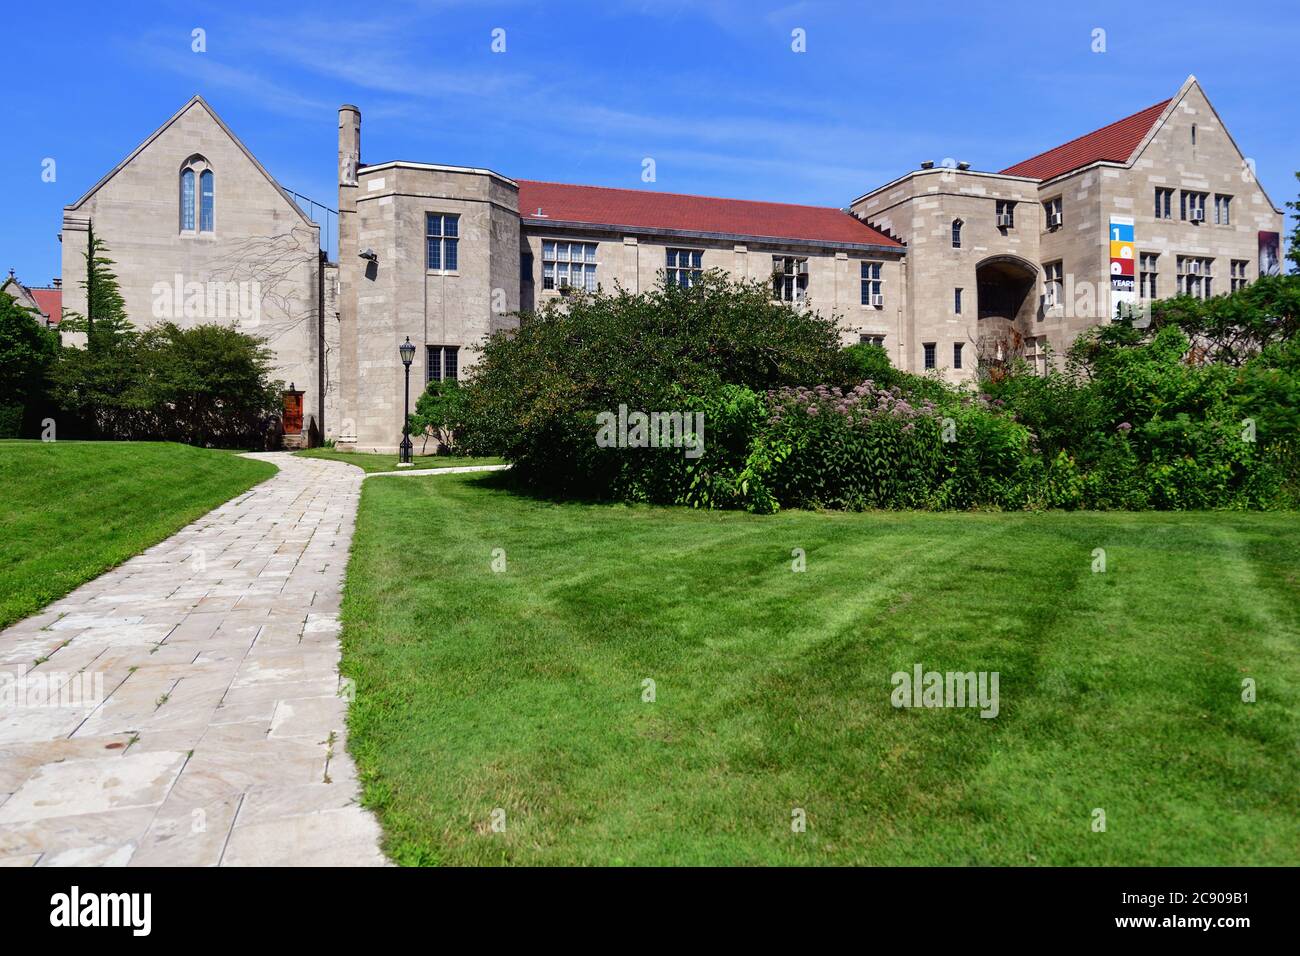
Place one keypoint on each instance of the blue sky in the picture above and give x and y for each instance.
(710, 89)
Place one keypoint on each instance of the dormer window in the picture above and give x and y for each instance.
(198, 189)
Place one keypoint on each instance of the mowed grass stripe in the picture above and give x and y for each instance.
(523, 690)
(73, 510)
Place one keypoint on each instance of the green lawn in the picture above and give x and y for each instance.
(72, 510)
(522, 690)
(371, 462)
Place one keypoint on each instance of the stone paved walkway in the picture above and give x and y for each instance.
(220, 736)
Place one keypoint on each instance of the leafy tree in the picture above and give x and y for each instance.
(872, 361)
(439, 414)
(1232, 328)
(27, 349)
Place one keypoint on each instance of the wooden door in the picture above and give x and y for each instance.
(293, 413)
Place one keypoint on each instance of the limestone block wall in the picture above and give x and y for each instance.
(397, 296)
(1213, 164)
(255, 270)
(919, 209)
(635, 262)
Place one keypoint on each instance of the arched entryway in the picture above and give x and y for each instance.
(1006, 287)
(1007, 290)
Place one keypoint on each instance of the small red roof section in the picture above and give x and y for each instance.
(50, 302)
(1114, 143)
(638, 208)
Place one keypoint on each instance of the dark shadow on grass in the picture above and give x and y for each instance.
(513, 484)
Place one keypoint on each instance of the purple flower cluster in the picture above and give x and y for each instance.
(860, 404)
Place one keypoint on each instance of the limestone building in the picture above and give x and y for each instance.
(199, 231)
(945, 267)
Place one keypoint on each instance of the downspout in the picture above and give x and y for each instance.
(320, 342)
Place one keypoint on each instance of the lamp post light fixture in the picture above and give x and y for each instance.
(407, 351)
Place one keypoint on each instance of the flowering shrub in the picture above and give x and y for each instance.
(865, 447)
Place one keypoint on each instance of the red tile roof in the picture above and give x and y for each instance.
(1115, 143)
(49, 301)
(639, 208)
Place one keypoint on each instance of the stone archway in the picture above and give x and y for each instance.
(1005, 287)
(1007, 305)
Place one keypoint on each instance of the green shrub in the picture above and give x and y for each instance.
(439, 415)
(1136, 418)
(206, 385)
(536, 391)
(11, 421)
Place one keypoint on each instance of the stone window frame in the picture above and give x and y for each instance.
(872, 338)
(1165, 209)
(590, 257)
(872, 284)
(1053, 283)
(1036, 353)
(1148, 274)
(929, 358)
(1052, 207)
(445, 240)
(956, 300)
(192, 213)
(1197, 204)
(956, 354)
(448, 358)
(957, 225)
(1005, 207)
(1197, 282)
(1222, 209)
(683, 265)
(1238, 277)
(789, 280)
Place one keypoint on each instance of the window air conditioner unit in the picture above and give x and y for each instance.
(803, 267)
(1197, 215)
(1194, 268)
(1053, 220)
(878, 301)
(1004, 221)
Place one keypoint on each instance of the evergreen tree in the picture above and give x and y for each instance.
(105, 321)
(1293, 244)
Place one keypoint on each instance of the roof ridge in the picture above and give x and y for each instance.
(660, 192)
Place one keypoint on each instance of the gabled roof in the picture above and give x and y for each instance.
(50, 302)
(1114, 143)
(193, 101)
(47, 301)
(701, 215)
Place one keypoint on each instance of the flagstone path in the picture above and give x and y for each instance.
(220, 738)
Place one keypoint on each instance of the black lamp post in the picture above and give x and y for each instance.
(407, 351)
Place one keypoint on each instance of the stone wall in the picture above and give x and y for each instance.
(635, 262)
(256, 270)
(398, 297)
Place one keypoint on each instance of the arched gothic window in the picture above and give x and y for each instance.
(198, 196)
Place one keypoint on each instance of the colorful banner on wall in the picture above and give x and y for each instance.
(1270, 262)
(1123, 258)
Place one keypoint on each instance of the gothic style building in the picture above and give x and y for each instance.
(944, 267)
